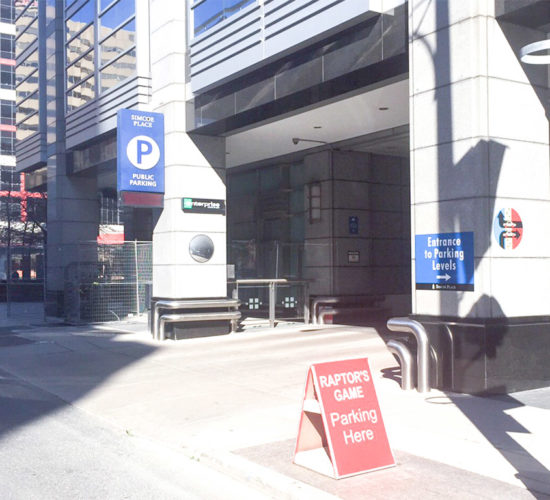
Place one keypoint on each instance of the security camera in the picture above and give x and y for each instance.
(295, 140)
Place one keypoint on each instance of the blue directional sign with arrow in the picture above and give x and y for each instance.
(444, 261)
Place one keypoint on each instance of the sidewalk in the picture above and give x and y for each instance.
(21, 314)
(234, 402)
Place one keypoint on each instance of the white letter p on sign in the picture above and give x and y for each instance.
(143, 152)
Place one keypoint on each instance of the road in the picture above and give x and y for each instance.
(49, 449)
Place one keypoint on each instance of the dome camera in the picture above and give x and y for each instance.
(201, 248)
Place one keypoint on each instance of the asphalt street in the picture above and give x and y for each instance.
(104, 411)
(49, 449)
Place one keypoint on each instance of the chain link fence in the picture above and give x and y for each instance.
(109, 282)
(22, 281)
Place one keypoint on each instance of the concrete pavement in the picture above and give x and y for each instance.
(234, 403)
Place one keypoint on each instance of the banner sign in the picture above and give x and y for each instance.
(203, 206)
(444, 261)
(341, 429)
(140, 151)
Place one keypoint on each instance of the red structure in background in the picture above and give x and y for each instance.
(23, 195)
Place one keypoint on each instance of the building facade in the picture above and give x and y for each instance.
(390, 150)
(21, 210)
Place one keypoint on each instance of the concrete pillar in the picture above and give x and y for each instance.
(479, 145)
(73, 218)
(359, 244)
(72, 205)
(194, 168)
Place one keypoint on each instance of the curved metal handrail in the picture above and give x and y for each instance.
(187, 304)
(423, 348)
(406, 361)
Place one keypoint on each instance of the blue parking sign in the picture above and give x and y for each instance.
(140, 151)
(444, 261)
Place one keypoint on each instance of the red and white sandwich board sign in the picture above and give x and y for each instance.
(341, 430)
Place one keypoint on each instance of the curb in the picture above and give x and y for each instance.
(270, 482)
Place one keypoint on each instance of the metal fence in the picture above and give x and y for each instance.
(256, 264)
(22, 281)
(109, 282)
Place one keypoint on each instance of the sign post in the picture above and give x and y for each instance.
(140, 157)
(341, 430)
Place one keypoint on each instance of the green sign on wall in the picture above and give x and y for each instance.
(203, 206)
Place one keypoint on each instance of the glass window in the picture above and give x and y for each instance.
(81, 70)
(80, 44)
(81, 94)
(7, 80)
(27, 37)
(7, 112)
(27, 128)
(115, 16)
(119, 70)
(207, 14)
(8, 179)
(25, 12)
(51, 111)
(7, 11)
(119, 42)
(27, 107)
(80, 19)
(27, 87)
(103, 4)
(211, 12)
(6, 46)
(28, 66)
(232, 6)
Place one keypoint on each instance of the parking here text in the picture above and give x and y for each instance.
(350, 386)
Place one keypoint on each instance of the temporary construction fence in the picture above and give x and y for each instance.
(109, 282)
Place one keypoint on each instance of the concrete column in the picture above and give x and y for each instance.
(73, 218)
(479, 144)
(72, 205)
(194, 168)
(359, 246)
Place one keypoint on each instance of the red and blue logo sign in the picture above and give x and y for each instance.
(508, 228)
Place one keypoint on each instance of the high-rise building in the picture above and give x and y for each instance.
(21, 229)
(388, 151)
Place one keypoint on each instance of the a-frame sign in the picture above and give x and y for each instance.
(341, 430)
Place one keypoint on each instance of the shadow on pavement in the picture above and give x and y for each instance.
(55, 360)
(496, 426)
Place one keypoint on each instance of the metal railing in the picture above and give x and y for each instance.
(423, 348)
(321, 308)
(157, 327)
(406, 361)
(272, 284)
(231, 316)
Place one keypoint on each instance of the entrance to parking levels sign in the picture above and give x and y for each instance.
(444, 261)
